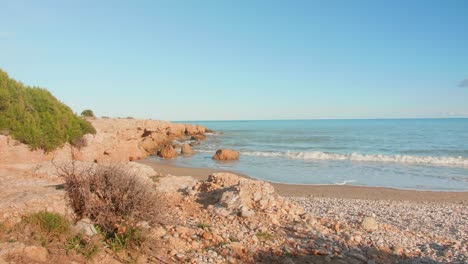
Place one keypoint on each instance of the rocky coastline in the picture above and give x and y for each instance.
(223, 217)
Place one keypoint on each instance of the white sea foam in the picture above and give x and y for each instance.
(344, 182)
(407, 159)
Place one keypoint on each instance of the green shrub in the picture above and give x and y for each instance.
(35, 117)
(87, 113)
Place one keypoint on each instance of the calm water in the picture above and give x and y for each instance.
(429, 154)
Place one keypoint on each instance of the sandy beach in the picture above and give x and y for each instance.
(328, 191)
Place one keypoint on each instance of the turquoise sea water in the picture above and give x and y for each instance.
(429, 154)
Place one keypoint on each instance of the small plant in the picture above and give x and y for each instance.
(222, 243)
(265, 236)
(49, 223)
(129, 238)
(3, 230)
(87, 113)
(45, 227)
(155, 178)
(82, 245)
(203, 225)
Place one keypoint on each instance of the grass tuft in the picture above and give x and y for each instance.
(49, 223)
(203, 225)
(265, 236)
(85, 246)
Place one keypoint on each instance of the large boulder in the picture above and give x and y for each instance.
(186, 150)
(226, 154)
(168, 152)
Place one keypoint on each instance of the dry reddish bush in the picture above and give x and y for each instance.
(115, 198)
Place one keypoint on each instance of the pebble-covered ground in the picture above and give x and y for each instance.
(436, 231)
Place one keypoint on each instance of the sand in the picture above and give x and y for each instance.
(330, 191)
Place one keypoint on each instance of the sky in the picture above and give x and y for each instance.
(228, 60)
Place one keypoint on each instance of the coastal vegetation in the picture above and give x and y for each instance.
(87, 113)
(117, 200)
(35, 117)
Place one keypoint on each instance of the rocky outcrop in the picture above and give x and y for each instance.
(194, 130)
(116, 140)
(226, 154)
(186, 150)
(168, 152)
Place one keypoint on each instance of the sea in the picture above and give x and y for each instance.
(416, 154)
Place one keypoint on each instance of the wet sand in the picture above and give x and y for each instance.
(331, 191)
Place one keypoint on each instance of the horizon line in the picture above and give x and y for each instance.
(310, 119)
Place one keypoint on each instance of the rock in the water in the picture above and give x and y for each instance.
(226, 154)
(86, 226)
(369, 223)
(198, 137)
(187, 150)
(168, 152)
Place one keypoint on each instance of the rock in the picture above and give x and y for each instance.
(36, 253)
(198, 137)
(246, 213)
(194, 129)
(187, 150)
(86, 226)
(207, 236)
(287, 260)
(226, 154)
(174, 184)
(357, 239)
(369, 223)
(168, 152)
(357, 256)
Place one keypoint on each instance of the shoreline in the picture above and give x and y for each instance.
(325, 191)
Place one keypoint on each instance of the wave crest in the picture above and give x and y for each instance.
(407, 159)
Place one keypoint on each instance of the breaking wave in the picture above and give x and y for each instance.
(408, 159)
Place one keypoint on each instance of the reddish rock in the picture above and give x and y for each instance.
(198, 137)
(187, 150)
(226, 154)
(168, 152)
(207, 236)
(194, 130)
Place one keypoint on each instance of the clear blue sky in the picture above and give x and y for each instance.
(203, 60)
